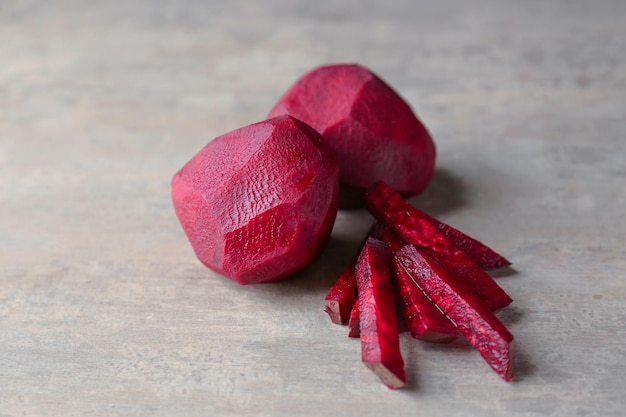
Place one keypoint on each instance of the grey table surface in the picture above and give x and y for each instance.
(104, 309)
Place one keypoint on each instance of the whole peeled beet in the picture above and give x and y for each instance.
(259, 203)
(373, 131)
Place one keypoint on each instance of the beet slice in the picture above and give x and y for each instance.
(413, 227)
(342, 296)
(462, 305)
(258, 203)
(373, 131)
(354, 324)
(380, 343)
(483, 255)
(424, 320)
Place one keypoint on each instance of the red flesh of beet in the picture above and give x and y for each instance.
(422, 317)
(413, 227)
(424, 320)
(380, 344)
(259, 203)
(340, 299)
(373, 131)
(342, 296)
(462, 305)
(354, 324)
(483, 255)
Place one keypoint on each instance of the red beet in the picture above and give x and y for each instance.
(342, 296)
(424, 320)
(484, 256)
(259, 203)
(372, 129)
(354, 324)
(413, 226)
(462, 305)
(380, 344)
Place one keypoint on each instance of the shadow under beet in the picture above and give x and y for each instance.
(444, 194)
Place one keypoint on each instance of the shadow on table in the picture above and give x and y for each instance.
(444, 194)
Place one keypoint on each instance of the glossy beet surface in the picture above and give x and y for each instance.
(258, 203)
(380, 345)
(462, 305)
(373, 131)
(414, 227)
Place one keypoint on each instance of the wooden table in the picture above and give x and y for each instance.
(104, 309)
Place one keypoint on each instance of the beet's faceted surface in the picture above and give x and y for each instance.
(373, 131)
(259, 203)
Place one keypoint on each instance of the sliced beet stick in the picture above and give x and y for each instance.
(483, 255)
(380, 344)
(412, 226)
(342, 296)
(423, 318)
(462, 305)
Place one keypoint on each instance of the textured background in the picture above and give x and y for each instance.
(104, 309)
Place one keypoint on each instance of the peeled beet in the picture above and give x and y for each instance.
(373, 131)
(258, 203)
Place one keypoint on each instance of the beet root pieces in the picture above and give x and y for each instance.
(428, 282)
(258, 203)
(380, 344)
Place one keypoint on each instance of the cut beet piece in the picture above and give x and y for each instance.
(341, 298)
(258, 203)
(462, 305)
(380, 344)
(343, 294)
(483, 255)
(424, 320)
(354, 324)
(413, 227)
(373, 131)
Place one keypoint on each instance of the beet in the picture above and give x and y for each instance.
(258, 203)
(342, 296)
(380, 343)
(424, 320)
(471, 315)
(373, 131)
(413, 226)
(481, 254)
